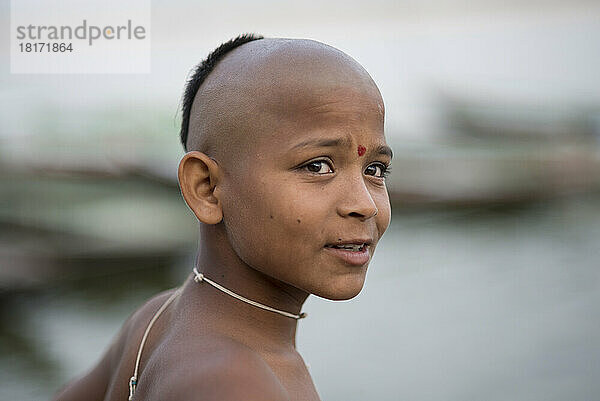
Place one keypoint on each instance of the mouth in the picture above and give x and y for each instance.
(349, 247)
(355, 253)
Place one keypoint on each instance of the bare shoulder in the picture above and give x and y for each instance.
(95, 383)
(225, 370)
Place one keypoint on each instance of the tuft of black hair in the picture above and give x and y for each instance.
(199, 74)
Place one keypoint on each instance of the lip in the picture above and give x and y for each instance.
(351, 257)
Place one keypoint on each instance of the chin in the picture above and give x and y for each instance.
(343, 292)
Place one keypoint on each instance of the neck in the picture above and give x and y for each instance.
(257, 328)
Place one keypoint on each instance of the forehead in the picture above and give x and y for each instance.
(335, 103)
(269, 94)
(347, 113)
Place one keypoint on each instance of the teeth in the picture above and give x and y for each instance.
(354, 248)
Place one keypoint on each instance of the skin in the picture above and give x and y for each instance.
(268, 201)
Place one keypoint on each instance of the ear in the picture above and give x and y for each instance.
(198, 176)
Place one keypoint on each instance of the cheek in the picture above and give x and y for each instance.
(384, 212)
(268, 222)
(292, 220)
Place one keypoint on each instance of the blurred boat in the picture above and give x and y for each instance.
(61, 224)
(500, 153)
(454, 174)
(63, 218)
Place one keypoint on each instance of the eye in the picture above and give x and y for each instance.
(319, 167)
(379, 170)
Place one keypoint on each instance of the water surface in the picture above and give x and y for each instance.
(465, 304)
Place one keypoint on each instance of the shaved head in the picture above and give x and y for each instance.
(265, 88)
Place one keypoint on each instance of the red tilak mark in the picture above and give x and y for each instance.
(361, 150)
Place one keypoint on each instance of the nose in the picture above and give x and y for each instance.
(356, 200)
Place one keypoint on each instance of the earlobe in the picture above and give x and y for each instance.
(198, 176)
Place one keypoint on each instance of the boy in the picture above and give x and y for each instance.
(285, 166)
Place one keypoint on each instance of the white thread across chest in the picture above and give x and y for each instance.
(134, 379)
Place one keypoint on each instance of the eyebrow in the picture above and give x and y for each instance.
(325, 142)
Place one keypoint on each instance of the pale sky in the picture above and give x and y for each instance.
(547, 52)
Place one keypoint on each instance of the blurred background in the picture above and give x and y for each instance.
(486, 285)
